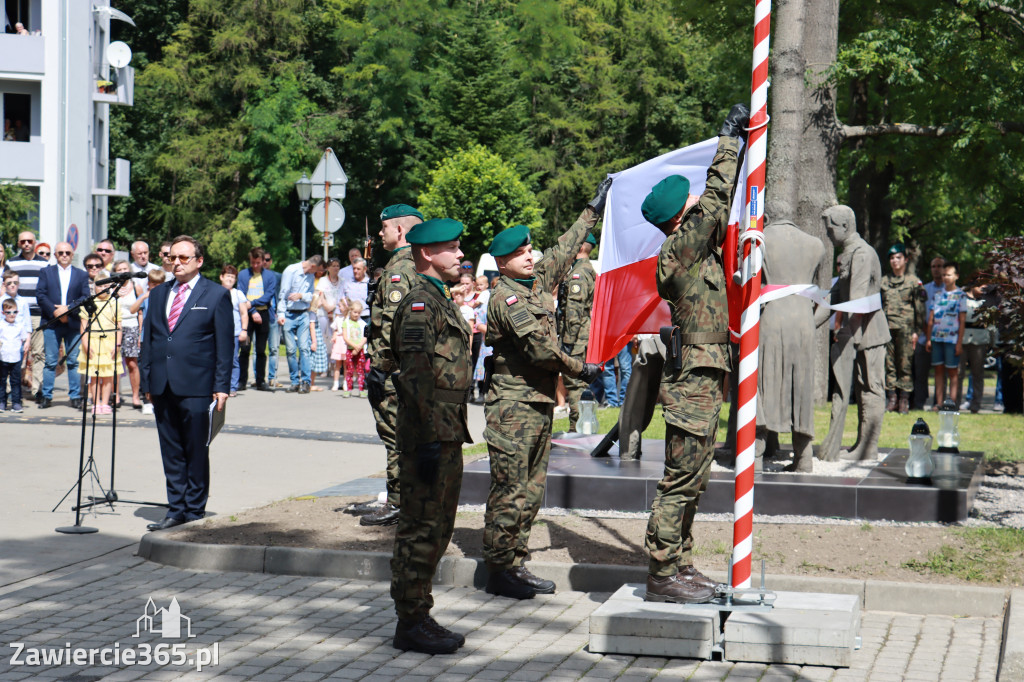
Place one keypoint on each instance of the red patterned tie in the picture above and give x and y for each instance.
(176, 306)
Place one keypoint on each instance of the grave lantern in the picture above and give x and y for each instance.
(919, 463)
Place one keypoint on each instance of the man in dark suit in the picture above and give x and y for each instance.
(185, 363)
(260, 288)
(59, 288)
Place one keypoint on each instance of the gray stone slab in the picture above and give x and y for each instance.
(947, 600)
(808, 628)
(1011, 660)
(626, 624)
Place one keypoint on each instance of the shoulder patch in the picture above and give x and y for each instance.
(395, 296)
(576, 275)
(413, 335)
(521, 317)
(923, 294)
(396, 278)
(575, 288)
(511, 299)
(418, 307)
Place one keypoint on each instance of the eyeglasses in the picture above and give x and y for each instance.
(10, 312)
(180, 259)
(44, 254)
(26, 241)
(93, 266)
(165, 254)
(64, 253)
(267, 259)
(104, 251)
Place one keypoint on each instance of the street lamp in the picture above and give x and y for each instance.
(304, 188)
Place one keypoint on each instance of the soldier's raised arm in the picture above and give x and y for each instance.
(558, 260)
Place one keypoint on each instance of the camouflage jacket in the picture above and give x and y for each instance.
(432, 347)
(903, 302)
(399, 274)
(690, 274)
(575, 301)
(521, 325)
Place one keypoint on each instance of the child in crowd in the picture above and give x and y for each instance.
(101, 341)
(14, 343)
(468, 313)
(946, 324)
(240, 313)
(351, 332)
(10, 291)
(153, 280)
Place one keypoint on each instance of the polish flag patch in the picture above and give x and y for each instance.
(418, 307)
(576, 276)
(396, 278)
(511, 299)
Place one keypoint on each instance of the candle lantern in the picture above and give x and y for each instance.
(919, 464)
(949, 430)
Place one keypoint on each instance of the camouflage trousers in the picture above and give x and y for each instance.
(899, 360)
(574, 390)
(425, 526)
(688, 456)
(518, 438)
(386, 416)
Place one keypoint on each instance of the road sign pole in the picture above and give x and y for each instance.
(327, 205)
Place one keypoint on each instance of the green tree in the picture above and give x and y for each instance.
(485, 193)
(17, 207)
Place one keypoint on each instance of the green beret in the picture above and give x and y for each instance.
(591, 239)
(435, 231)
(399, 211)
(666, 199)
(897, 248)
(509, 240)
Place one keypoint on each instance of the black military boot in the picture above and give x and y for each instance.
(673, 589)
(422, 637)
(890, 401)
(904, 402)
(506, 584)
(442, 630)
(539, 585)
(385, 516)
(691, 574)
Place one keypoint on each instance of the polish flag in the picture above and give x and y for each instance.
(626, 300)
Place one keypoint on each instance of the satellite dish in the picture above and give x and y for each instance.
(118, 54)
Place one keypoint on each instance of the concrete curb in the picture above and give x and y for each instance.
(876, 595)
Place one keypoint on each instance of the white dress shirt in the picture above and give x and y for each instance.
(65, 281)
(174, 292)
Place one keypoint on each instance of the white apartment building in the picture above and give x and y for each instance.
(56, 89)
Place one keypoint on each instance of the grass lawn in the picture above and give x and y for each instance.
(999, 436)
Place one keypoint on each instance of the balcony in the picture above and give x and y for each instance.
(21, 161)
(124, 95)
(21, 57)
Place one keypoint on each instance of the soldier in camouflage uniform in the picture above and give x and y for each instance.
(903, 303)
(575, 301)
(521, 401)
(691, 279)
(431, 344)
(399, 274)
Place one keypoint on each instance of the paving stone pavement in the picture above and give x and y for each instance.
(273, 627)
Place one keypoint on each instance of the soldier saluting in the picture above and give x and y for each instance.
(575, 301)
(431, 343)
(691, 279)
(399, 275)
(521, 401)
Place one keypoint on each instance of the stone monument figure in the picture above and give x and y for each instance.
(785, 379)
(858, 352)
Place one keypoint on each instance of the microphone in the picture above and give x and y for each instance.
(123, 277)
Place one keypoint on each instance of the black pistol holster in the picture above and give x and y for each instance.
(673, 346)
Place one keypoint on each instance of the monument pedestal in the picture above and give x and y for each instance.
(578, 481)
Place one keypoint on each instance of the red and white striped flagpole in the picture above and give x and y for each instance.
(750, 244)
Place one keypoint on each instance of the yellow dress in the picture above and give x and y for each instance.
(102, 336)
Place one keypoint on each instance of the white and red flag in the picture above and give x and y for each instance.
(626, 300)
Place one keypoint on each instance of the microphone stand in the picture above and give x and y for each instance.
(89, 467)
